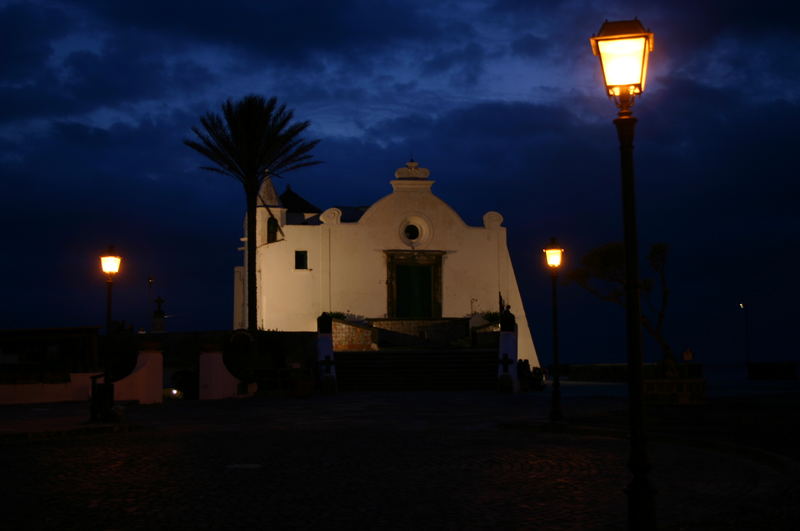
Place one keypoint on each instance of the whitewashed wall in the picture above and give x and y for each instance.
(347, 264)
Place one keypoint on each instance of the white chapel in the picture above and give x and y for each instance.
(407, 256)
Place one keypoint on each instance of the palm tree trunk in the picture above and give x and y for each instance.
(252, 293)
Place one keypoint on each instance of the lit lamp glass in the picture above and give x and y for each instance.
(623, 47)
(110, 263)
(553, 255)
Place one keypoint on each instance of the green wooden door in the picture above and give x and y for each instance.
(414, 291)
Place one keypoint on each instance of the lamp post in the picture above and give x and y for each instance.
(553, 255)
(103, 394)
(109, 264)
(623, 48)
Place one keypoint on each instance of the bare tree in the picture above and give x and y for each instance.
(602, 273)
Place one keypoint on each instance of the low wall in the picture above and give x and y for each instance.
(145, 383)
(774, 370)
(78, 389)
(454, 327)
(618, 372)
(675, 391)
(351, 337)
(409, 332)
(216, 381)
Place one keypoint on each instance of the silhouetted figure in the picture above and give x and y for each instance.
(326, 361)
(524, 375)
(537, 379)
(508, 323)
(327, 365)
(505, 362)
(324, 323)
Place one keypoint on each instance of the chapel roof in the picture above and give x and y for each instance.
(351, 214)
(405, 177)
(293, 202)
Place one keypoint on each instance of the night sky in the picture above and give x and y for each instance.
(501, 100)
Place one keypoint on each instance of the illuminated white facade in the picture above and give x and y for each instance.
(409, 255)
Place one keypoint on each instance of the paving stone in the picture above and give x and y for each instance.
(393, 461)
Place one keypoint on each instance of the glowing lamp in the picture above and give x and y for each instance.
(623, 47)
(170, 393)
(553, 254)
(110, 262)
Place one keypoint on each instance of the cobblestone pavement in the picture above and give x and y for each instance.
(394, 461)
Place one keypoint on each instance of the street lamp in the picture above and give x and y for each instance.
(553, 254)
(109, 263)
(103, 394)
(623, 48)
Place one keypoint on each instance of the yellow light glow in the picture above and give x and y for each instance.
(624, 62)
(624, 47)
(741, 305)
(170, 393)
(553, 256)
(110, 264)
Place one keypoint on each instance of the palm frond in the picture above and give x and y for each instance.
(251, 136)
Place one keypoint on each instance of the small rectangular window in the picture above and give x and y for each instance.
(301, 259)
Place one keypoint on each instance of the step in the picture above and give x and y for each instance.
(409, 369)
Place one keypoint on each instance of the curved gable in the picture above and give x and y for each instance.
(413, 204)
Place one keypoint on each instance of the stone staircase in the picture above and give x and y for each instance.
(417, 370)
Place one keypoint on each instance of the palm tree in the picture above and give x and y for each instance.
(253, 140)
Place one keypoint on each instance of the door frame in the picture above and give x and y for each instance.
(418, 258)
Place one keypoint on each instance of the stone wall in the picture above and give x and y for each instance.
(352, 337)
(434, 331)
(77, 389)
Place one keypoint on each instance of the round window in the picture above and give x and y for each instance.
(411, 232)
(414, 231)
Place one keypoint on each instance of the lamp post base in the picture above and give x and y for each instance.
(641, 504)
(556, 416)
(102, 403)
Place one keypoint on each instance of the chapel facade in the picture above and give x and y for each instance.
(407, 256)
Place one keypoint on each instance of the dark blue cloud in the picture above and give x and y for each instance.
(98, 96)
(78, 188)
(126, 71)
(465, 63)
(284, 32)
(26, 35)
(530, 45)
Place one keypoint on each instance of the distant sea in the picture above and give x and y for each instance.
(722, 379)
(731, 379)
